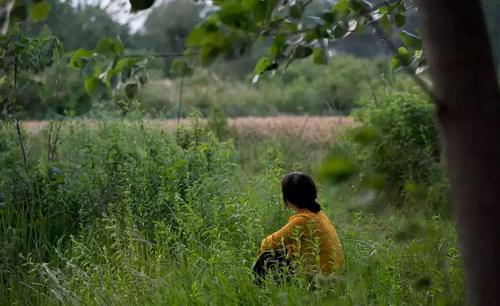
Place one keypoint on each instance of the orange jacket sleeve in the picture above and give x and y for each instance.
(284, 235)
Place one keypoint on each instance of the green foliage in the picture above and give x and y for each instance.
(298, 29)
(397, 149)
(106, 68)
(21, 59)
(127, 213)
(40, 11)
(58, 90)
(407, 138)
(337, 168)
(262, 65)
(302, 89)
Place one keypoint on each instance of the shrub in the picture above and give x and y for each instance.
(408, 138)
(397, 149)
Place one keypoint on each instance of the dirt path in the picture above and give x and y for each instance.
(312, 128)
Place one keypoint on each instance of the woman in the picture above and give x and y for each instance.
(309, 241)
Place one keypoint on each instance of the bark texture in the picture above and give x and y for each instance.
(468, 102)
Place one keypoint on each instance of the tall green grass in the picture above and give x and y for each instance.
(126, 214)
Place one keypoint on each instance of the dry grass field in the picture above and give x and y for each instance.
(316, 129)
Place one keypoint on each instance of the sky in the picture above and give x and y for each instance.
(120, 10)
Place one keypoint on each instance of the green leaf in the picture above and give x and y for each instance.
(109, 47)
(384, 10)
(262, 65)
(338, 168)
(385, 23)
(80, 58)
(195, 37)
(318, 56)
(138, 5)
(399, 20)
(302, 52)
(410, 40)
(234, 15)
(419, 54)
(40, 11)
(328, 18)
(341, 8)
(339, 31)
(277, 45)
(410, 187)
(395, 63)
(131, 90)
(404, 56)
(127, 63)
(208, 54)
(296, 10)
(94, 87)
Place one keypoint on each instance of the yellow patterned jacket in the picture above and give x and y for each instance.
(311, 238)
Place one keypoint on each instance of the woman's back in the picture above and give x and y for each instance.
(309, 238)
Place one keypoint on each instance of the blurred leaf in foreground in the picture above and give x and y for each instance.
(337, 168)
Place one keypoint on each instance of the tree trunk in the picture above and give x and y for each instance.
(468, 104)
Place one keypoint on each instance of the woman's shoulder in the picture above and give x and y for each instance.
(303, 214)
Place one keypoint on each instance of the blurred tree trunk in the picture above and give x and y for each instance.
(468, 104)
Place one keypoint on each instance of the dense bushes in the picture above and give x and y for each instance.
(396, 148)
(407, 142)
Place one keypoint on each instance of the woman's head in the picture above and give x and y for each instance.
(299, 189)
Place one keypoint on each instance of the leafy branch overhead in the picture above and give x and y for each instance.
(107, 66)
(290, 28)
(295, 32)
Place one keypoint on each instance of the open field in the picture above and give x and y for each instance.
(314, 128)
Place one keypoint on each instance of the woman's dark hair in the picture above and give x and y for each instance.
(299, 189)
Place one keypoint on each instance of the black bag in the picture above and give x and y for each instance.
(272, 263)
